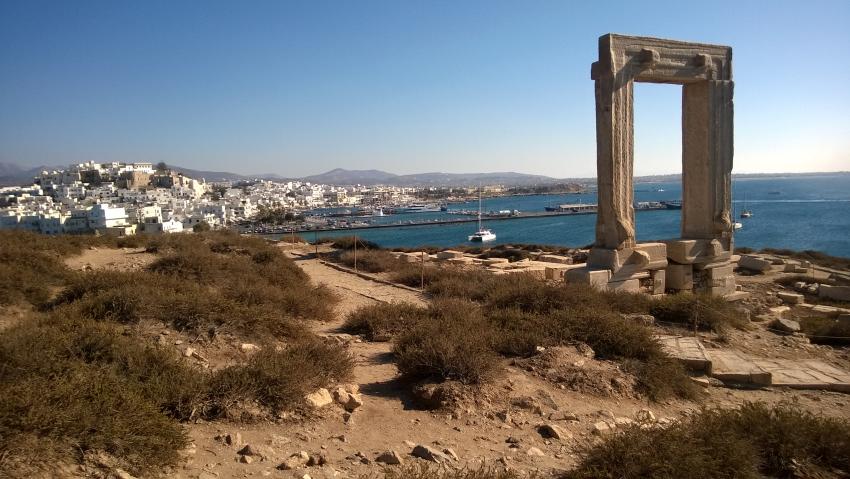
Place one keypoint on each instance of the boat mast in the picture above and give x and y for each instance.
(479, 207)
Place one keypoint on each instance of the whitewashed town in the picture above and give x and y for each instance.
(128, 198)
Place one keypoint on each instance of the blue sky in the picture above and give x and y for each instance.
(297, 88)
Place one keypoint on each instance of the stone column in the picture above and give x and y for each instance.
(614, 162)
(706, 159)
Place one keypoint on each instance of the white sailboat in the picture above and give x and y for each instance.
(482, 234)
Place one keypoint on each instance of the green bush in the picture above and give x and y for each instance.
(753, 441)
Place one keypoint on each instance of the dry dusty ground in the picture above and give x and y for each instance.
(389, 421)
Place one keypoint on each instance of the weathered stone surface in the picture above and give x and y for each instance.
(754, 263)
(320, 398)
(688, 350)
(659, 281)
(733, 367)
(595, 277)
(680, 277)
(839, 293)
(697, 251)
(790, 298)
(628, 286)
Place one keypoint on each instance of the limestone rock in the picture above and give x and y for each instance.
(554, 431)
(429, 454)
(389, 457)
(790, 298)
(320, 398)
(754, 263)
(294, 461)
(533, 451)
(602, 428)
(563, 416)
(785, 325)
(645, 416)
(248, 347)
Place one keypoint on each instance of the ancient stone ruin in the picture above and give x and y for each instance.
(700, 259)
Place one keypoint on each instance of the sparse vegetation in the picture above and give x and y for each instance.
(371, 261)
(426, 471)
(755, 440)
(703, 310)
(511, 315)
(79, 378)
(823, 330)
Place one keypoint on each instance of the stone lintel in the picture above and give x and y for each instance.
(658, 60)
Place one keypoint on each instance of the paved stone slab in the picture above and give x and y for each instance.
(805, 374)
(732, 366)
(687, 349)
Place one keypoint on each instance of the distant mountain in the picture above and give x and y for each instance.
(12, 174)
(340, 176)
(210, 175)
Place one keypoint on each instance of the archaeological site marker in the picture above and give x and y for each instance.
(699, 260)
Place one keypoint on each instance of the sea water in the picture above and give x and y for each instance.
(810, 212)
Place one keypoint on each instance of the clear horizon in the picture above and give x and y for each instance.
(297, 89)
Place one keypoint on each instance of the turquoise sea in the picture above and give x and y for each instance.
(799, 213)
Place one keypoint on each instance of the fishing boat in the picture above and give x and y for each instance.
(482, 235)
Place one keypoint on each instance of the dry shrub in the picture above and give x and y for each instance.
(383, 320)
(826, 330)
(372, 261)
(280, 379)
(454, 343)
(707, 311)
(75, 386)
(347, 243)
(753, 441)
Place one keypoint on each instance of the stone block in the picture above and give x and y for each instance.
(627, 286)
(785, 325)
(611, 259)
(790, 298)
(492, 261)
(838, 293)
(449, 254)
(658, 281)
(691, 251)
(557, 271)
(680, 277)
(754, 263)
(554, 258)
(595, 277)
(844, 318)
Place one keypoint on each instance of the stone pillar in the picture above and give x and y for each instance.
(614, 162)
(707, 159)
